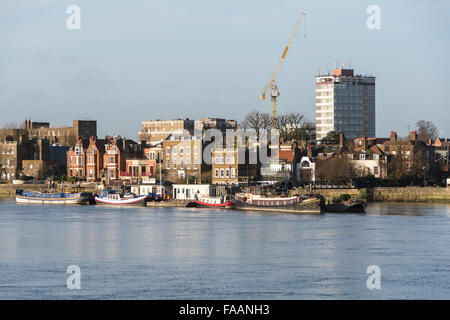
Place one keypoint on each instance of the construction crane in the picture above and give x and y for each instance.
(274, 93)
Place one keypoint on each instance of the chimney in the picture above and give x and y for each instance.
(393, 136)
(413, 136)
(341, 139)
(364, 143)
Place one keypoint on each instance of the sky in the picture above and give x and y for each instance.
(140, 60)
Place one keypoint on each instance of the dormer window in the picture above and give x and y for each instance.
(362, 157)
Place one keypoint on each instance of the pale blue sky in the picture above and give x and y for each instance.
(147, 59)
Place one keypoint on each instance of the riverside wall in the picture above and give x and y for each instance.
(9, 190)
(388, 194)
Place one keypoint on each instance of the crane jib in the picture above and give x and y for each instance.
(284, 53)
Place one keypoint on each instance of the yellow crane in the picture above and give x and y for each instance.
(274, 93)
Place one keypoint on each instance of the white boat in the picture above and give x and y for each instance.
(110, 197)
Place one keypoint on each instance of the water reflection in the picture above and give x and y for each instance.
(207, 254)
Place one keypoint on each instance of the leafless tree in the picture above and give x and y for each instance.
(337, 169)
(11, 125)
(291, 126)
(426, 130)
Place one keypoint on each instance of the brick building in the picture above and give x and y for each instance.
(182, 158)
(76, 163)
(64, 136)
(227, 169)
(156, 131)
(94, 158)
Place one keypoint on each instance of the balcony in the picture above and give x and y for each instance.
(129, 174)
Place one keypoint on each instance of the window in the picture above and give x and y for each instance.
(195, 150)
(227, 173)
(174, 163)
(232, 160)
(221, 160)
(174, 150)
(188, 164)
(188, 150)
(221, 173)
(233, 173)
(168, 164)
(375, 170)
(181, 164)
(168, 151)
(227, 160)
(181, 150)
(217, 173)
(362, 157)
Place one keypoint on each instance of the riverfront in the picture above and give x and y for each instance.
(180, 253)
(385, 194)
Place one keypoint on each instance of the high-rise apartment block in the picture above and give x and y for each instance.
(345, 103)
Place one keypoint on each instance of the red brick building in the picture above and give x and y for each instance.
(94, 159)
(76, 164)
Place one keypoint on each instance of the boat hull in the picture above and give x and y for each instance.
(24, 199)
(226, 205)
(140, 201)
(308, 207)
(346, 208)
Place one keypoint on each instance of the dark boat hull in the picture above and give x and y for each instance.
(346, 208)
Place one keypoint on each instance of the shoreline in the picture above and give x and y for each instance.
(379, 194)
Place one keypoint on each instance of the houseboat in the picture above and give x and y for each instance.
(115, 198)
(264, 199)
(24, 196)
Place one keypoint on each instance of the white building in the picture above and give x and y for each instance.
(145, 189)
(189, 191)
(345, 103)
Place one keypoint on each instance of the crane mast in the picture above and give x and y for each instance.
(274, 93)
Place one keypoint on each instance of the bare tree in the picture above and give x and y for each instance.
(11, 125)
(291, 126)
(337, 169)
(426, 130)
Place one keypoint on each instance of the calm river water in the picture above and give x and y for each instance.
(183, 253)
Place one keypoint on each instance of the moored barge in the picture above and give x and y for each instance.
(311, 204)
(25, 196)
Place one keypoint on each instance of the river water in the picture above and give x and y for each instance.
(184, 253)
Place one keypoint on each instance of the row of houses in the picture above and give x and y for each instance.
(174, 150)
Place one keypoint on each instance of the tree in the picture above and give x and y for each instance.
(426, 130)
(11, 125)
(291, 126)
(337, 169)
(332, 137)
(257, 121)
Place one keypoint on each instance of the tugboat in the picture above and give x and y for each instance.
(257, 198)
(112, 197)
(222, 202)
(73, 197)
